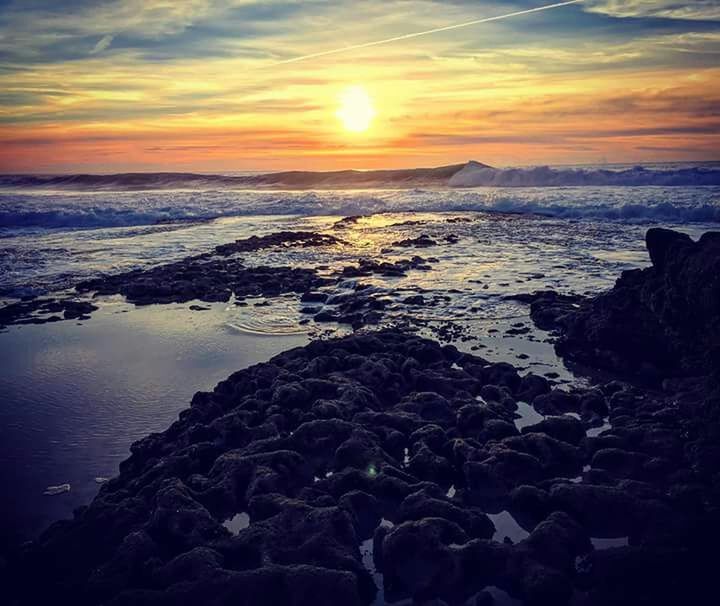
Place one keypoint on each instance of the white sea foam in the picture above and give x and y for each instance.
(475, 174)
(159, 209)
(51, 239)
(470, 174)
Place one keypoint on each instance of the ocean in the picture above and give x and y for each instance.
(75, 395)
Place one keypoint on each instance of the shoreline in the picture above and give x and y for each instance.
(367, 474)
(76, 396)
(427, 452)
(232, 324)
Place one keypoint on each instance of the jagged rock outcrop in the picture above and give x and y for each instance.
(655, 322)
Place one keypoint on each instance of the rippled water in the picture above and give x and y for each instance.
(47, 238)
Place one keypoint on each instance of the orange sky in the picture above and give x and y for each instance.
(194, 86)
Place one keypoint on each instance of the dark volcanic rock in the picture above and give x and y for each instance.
(548, 309)
(35, 311)
(565, 428)
(347, 222)
(531, 386)
(664, 244)
(529, 504)
(287, 239)
(659, 321)
(379, 437)
(414, 300)
(314, 297)
(418, 558)
(420, 505)
(610, 511)
(368, 267)
(422, 241)
(205, 278)
(225, 455)
(556, 402)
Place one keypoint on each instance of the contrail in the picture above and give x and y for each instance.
(427, 32)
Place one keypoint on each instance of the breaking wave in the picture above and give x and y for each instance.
(162, 208)
(470, 174)
(479, 175)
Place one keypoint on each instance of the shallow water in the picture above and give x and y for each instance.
(600, 543)
(527, 416)
(50, 238)
(240, 521)
(593, 432)
(507, 526)
(76, 397)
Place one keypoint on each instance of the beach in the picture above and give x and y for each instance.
(359, 303)
(170, 301)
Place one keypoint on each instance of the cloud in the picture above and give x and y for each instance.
(691, 42)
(690, 49)
(696, 10)
(193, 78)
(102, 44)
(569, 135)
(39, 32)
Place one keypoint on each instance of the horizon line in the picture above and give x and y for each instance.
(261, 172)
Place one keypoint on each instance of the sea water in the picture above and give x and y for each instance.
(75, 395)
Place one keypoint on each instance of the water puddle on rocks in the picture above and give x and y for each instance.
(499, 598)
(579, 479)
(327, 475)
(507, 526)
(594, 432)
(367, 551)
(238, 522)
(608, 543)
(258, 316)
(527, 416)
(55, 490)
(75, 397)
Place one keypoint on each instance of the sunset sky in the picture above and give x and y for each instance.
(200, 85)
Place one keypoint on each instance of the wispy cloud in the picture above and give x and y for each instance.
(102, 44)
(702, 10)
(196, 84)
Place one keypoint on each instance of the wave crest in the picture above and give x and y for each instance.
(479, 175)
(130, 209)
(471, 174)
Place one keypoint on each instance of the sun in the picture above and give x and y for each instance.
(356, 110)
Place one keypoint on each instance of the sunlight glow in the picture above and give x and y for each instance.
(412, 86)
(356, 110)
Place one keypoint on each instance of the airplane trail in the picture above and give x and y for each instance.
(427, 32)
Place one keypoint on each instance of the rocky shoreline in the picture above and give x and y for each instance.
(373, 468)
(656, 322)
(222, 275)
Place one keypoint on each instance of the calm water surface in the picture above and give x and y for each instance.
(75, 397)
